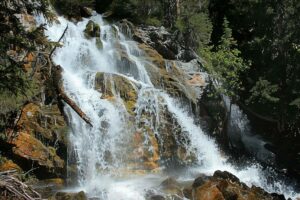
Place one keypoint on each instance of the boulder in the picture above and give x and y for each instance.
(226, 175)
(92, 29)
(171, 187)
(208, 191)
(40, 140)
(200, 180)
(30, 148)
(69, 196)
(86, 12)
(224, 185)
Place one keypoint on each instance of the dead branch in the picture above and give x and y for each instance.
(73, 105)
(62, 95)
(61, 37)
(13, 188)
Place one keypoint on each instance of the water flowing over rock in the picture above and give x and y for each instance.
(138, 95)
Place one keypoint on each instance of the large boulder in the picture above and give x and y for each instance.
(224, 185)
(92, 29)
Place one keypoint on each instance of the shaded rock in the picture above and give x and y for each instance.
(200, 180)
(86, 12)
(48, 187)
(188, 192)
(156, 197)
(226, 175)
(69, 196)
(102, 5)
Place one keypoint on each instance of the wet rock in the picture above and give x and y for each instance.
(126, 27)
(208, 191)
(172, 188)
(156, 197)
(121, 86)
(86, 12)
(48, 187)
(200, 180)
(99, 43)
(92, 29)
(224, 185)
(69, 196)
(188, 192)
(226, 175)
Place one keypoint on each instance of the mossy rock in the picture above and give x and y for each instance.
(92, 29)
(99, 43)
(122, 86)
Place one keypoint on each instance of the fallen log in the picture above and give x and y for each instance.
(62, 95)
(73, 105)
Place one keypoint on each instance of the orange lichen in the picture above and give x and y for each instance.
(9, 165)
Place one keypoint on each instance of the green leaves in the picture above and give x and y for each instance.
(296, 102)
(225, 64)
(263, 92)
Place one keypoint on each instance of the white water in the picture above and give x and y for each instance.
(102, 177)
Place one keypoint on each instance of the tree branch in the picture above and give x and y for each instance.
(61, 37)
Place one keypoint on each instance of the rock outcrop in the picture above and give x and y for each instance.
(220, 186)
(155, 138)
(40, 137)
(178, 70)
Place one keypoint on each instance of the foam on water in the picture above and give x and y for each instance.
(81, 59)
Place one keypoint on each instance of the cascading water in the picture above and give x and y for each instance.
(103, 151)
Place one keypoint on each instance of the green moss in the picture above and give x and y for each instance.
(92, 29)
(99, 43)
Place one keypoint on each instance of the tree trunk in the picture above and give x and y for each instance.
(62, 95)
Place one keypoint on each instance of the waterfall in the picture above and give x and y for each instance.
(104, 152)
